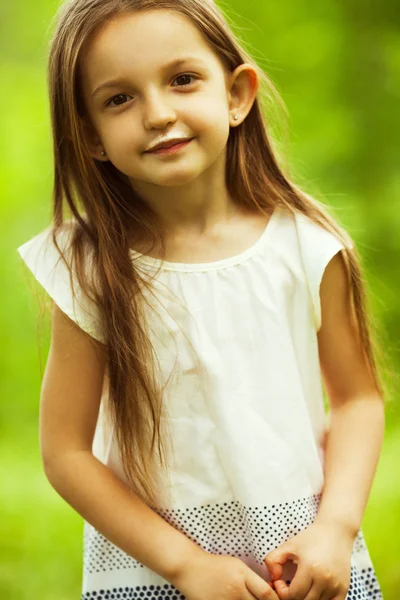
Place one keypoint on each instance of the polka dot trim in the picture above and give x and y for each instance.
(237, 530)
(371, 585)
(359, 543)
(227, 528)
(363, 586)
(150, 592)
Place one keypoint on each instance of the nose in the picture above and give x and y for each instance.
(156, 113)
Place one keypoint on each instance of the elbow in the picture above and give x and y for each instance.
(50, 465)
(58, 464)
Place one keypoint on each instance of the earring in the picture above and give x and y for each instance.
(103, 153)
(236, 117)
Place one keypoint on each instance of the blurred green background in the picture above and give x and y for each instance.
(337, 67)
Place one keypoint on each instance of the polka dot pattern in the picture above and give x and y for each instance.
(150, 592)
(371, 585)
(363, 586)
(227, 528)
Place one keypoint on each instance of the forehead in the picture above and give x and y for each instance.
(142, 41)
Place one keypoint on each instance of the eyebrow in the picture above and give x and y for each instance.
(175, 63)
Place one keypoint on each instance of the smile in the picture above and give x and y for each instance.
(173, 149)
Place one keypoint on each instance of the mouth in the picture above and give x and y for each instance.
(172, 149)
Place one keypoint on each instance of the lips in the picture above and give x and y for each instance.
(170, 145)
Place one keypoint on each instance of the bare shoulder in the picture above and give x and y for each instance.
(71, 389)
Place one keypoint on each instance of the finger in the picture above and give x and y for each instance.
(247, 595)
(275, 569)
(282, 589)
(327, 591)
(259, 588)
(334, 596)
(301, 584)
(315, 593)
(277, 558)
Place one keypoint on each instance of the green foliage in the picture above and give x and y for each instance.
(337, 67)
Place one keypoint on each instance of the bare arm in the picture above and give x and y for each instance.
(357, 411)
(323, 550)
(70, 401)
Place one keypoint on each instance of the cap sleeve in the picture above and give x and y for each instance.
(317, 248)
(45, 262)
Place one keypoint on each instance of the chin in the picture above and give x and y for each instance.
(176, 177)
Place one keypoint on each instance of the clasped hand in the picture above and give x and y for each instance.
(322, 553)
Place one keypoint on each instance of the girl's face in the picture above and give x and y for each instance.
(154, 97)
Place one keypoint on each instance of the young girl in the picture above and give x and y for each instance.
(200, 298)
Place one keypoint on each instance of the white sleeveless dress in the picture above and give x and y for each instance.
(245, 404)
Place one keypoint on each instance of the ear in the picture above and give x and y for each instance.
(243, 87)
(92, 140)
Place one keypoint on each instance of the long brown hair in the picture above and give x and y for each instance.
(104, 210)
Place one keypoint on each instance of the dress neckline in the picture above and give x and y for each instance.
(150, 261)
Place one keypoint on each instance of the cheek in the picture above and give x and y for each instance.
(121, 132)
(209, 120)
(210, 110)
(122, 141)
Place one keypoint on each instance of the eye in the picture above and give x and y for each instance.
(108, 103)
(185, 75)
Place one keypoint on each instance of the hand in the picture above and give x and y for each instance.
(207, 576)
(322, 553)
